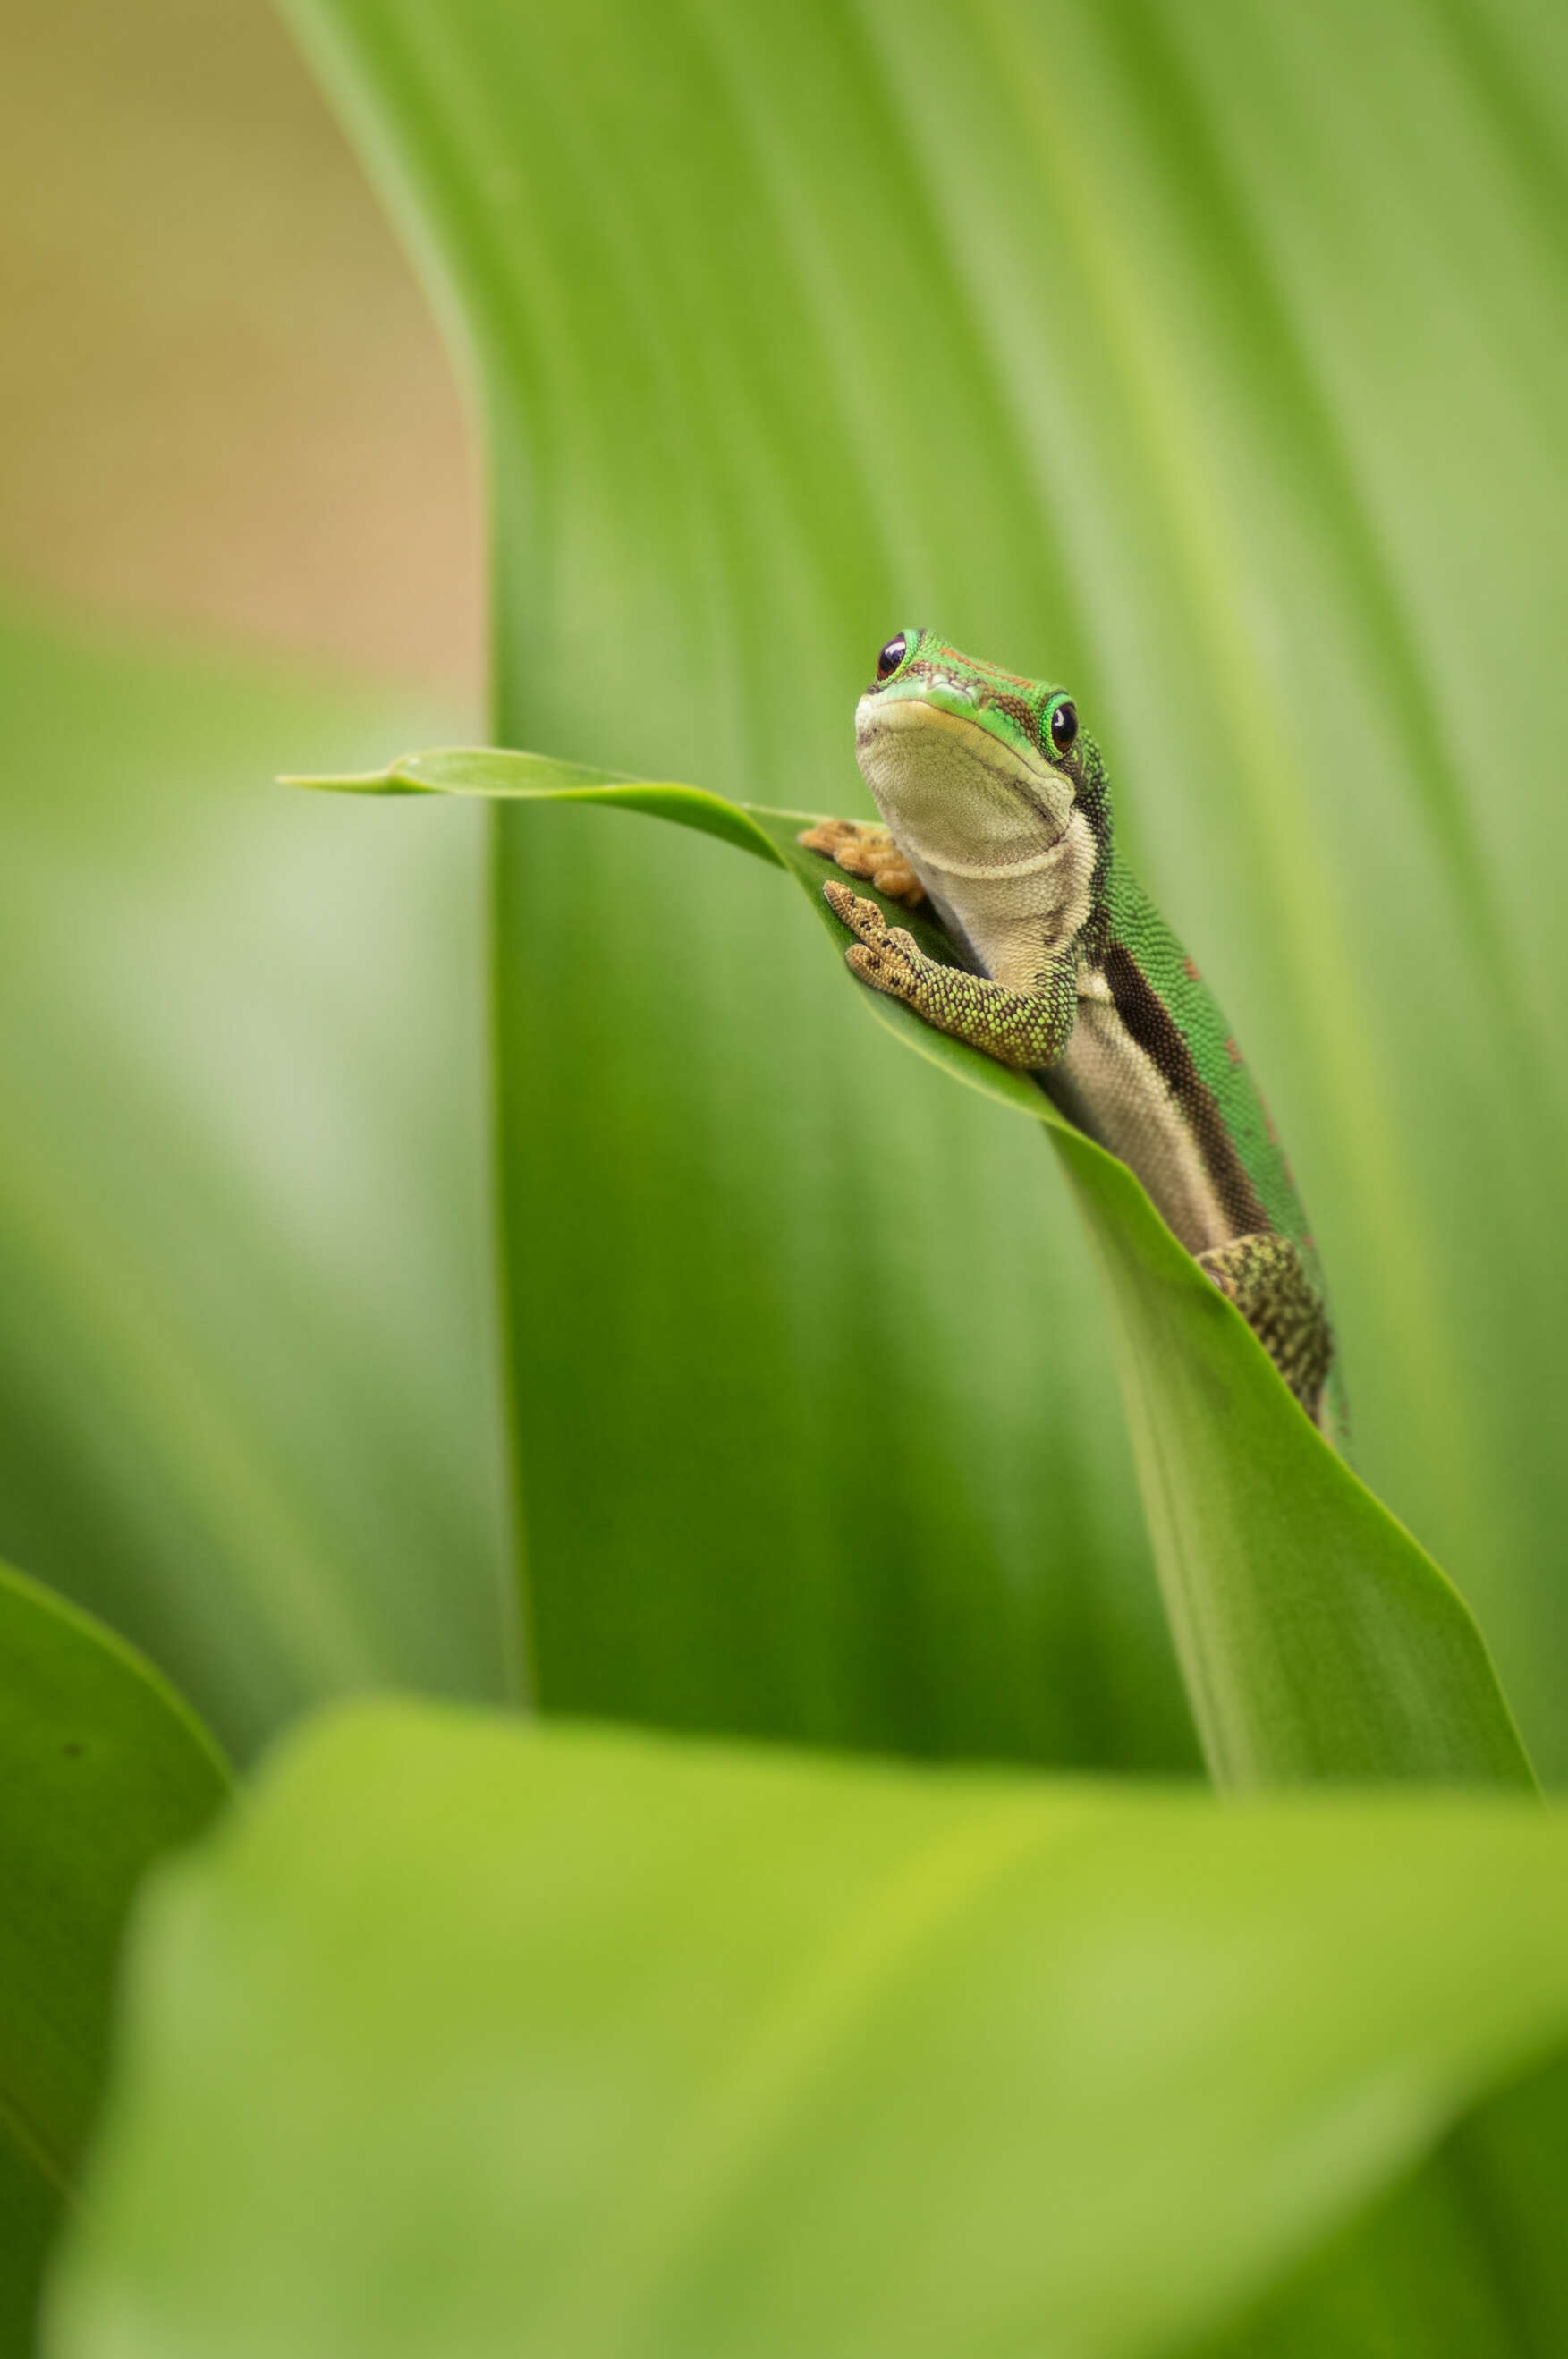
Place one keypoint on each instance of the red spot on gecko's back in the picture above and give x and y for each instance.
(1190, 968)
(1233, 1052)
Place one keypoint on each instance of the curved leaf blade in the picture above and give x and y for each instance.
(102, 1769)
(1317, 1640)
(472, 2036)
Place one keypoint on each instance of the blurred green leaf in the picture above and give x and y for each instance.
(1318, 1640)
(1465, 2256)
(246, 1404)
(101, 1768)
(472, 2038)
(1211, 359)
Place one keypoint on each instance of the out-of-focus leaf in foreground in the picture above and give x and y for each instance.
(1214, 361)
(247, 1411)
(1317, 1640)
(101, 1768)
(468, 2036)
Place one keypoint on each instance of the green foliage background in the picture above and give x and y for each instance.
(247, 1389)
(1212, 360)
(1120, 345)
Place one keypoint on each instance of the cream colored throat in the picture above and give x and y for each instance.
(1010, 876)
(955, 795)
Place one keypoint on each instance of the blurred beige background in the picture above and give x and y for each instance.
(224, 408)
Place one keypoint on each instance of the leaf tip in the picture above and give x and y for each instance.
(388, 781)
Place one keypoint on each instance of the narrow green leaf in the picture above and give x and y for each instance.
(102, 1769)
(473, 2038)
(482, 770)
(1317, 1640)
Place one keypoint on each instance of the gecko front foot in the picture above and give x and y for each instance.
(864, 848)
(1027, 1030)
(885, 956)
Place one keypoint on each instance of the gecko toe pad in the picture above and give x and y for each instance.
(864, 848)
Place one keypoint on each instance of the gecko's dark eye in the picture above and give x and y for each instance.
(1063, 726)
(891, 656)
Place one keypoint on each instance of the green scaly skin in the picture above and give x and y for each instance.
(996, 808)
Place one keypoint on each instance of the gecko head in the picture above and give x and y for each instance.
(968, 761)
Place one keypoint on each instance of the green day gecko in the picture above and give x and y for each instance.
(996, 808)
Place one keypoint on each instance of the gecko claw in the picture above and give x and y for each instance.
(882, 955)
(862, 917)
(887, 962)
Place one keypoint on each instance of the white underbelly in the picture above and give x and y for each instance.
(1107, 1086)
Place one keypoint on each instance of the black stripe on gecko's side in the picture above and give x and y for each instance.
(1149, 1023)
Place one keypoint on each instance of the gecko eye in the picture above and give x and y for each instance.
(1063, 726)
(891, 656)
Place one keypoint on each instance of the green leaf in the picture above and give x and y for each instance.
(246, 1407)
(102, 1769)
(1147, 345)
(729, 1521)
(1317, 1640)
(469, 2038)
